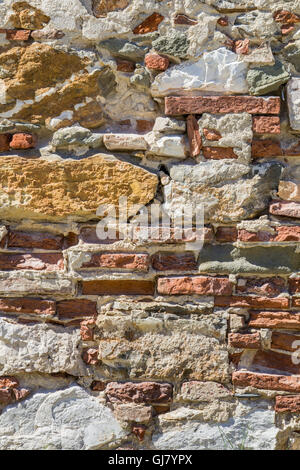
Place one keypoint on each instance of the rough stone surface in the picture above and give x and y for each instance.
(266, 79)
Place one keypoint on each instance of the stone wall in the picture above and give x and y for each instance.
(149, 342)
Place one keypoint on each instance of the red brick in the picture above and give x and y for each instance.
(285, 208)
(288, 233)
(266, 125)
(226, 234)
(177, 105)
(245, 236)
(33, 261)
(42, 240)
(4, 142)
(287, 404)
(6, 396)
(121, 287)
(212, 134)
(129, 261)
(125, 66)
(195, 141)
(21, 393)
(276, 361)
(157, 62)
(23, 141)
(89, 235)
(294, 285)
(71, 239)
(296, 302)
(174, 261)
(270, 287)
(266, 381)
(266, 148)
(76, 308)
(149, 25)
(184, 19)
(27, 306)
(87, 330)
(245, 341)
(139, 430)
(242, 46)
(90, 356)
(284, 341)
(287, 29)
(286, 17)
(8, 382)
(251, 302)
(143, 126)
(223, 21)
(18, 34)
(98, 386)
(201, 285)
(144, 392)
(218, 153)
(280, 320)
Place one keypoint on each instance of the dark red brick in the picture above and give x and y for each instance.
(143, 392)
(174, 261)
(120, 287)
(76, 308)
(43, 240)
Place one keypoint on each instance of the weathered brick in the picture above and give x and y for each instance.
(42, 240)
(218, 153)
(174, 261)
(18, 34)
(275, 361)
(245, 341)
(221, 104)
(125, 66)
(223, 21)
(266, 148)
(226, 234)
(287, 29)
(296, 302)
(76, 308)
(139, 431)
(90, 356)
(6, 396)
(22, 141)
(4, 142)
(121, 287)
(157, 62)
(251, 302)
(144, 392)
(143, 126)
(149, 25)
(33, 261)
(266, 124)
(245, 236)
(241, 46)
(8, 382)
(266, 381)
(294, 285)
(87, 330)
(286, 17)
(27, 306)
(280, 320)
(185, 20)
(127, 261)
(98, 386)
(201, 285)
(284, 341)
(195, 140)
(285, 208)
(284, 233)
(270, 287)
(287, 404)
(212, 134)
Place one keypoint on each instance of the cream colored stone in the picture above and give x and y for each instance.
(124, 142)
(289, 191)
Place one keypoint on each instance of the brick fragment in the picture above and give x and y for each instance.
(242, 46)
(275, 361)
(280, 320)
(287, 29)
(201, 285)
(223, 21)
(8, 382)
(284, 233)
(266, 381)
(90, 356)
(266, 125)
(177, 105)
(245, 341)
(42, 240)
(4, 142)
(22, 141)
(251, 302)
(139, 431)
(125, 66)
(212, 134)
(218, 153)
(87, 330)
(174, 261)
(143, 126)
(18, 34)
(33, 261)
(296, 302)
(27, 306)
(288, 404)
(195, 141)
(127, 261)
(157, 62)
(226, 234)
(294, 285)
(144, 392)
(76, 308)
(149, 25)
(266, 148)
(120, 287)
(285, 341)
(185, 20)
(286, 17)
(285, 208)
(270, 287)
(6, 396)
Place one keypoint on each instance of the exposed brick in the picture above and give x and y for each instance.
(242, 46)
(280, 320)
(176, 105)
(288, 233)
(276, 361)
(271, 286)
(294, 285)
(266, 148)
(129, 261)
(139, 431)
(4, 142)
(266, 125)
(223, 21)
(201, 285)
(6, 396)
(18, 34)
(87, 330)
(33, 261)
(98, 386)
(195, 140)
(287, 404)
(149, 25)
(266, 381)
(245, 341)
(121, 287)
(252, 302)
(212, 134)
(285, 208)
(90, 356)
(42, 240)
(287, 29)
(157, 62)
(125, 66)
(284, 341)
(286, 17)
(184, 19)
(8, 382)
(76, 308)
(218, 153)
(143, 126)
(27, 306)
(89, 235)
(22, 141)
(296, 302)
(226, 234)
(71, 239)
(245, 236)
(144, 392)
(174, 261)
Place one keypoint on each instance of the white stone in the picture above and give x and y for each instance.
(125, 142)
(167, 125)
(69, 419)
(293, 100)
(219, 71)
(169, 146)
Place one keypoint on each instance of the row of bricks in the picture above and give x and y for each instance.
(18, 141)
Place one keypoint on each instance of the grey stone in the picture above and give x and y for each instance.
(75, 136)
(265, 79)
(123, 49)
(174, 44)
